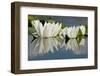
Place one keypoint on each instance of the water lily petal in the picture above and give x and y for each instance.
(83, 29)
(58, 28)
(40, 27)
(35, 24)
(46, 32)
(72, 32)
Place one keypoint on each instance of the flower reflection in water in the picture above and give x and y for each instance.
(43, 46)
(77, 48)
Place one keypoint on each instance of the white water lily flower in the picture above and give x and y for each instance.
(46, 30)
(72, 32)
(83, 29)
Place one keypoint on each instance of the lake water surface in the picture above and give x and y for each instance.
(56, 48)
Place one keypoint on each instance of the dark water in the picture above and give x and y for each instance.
(56, 48)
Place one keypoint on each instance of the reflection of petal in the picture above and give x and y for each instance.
(42, 46)
(72, 44)
(33, 47)
(83, 46)
(55, 43)
(47, 45)
(30, 38)
(82, 42)
(80, 48)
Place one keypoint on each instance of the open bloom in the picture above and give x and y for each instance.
(46, 30)
(72, 32)
(83, 29)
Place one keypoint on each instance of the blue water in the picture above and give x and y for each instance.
(71, 21)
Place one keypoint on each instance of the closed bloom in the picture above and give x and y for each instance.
(83, 29)
(46, 30)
